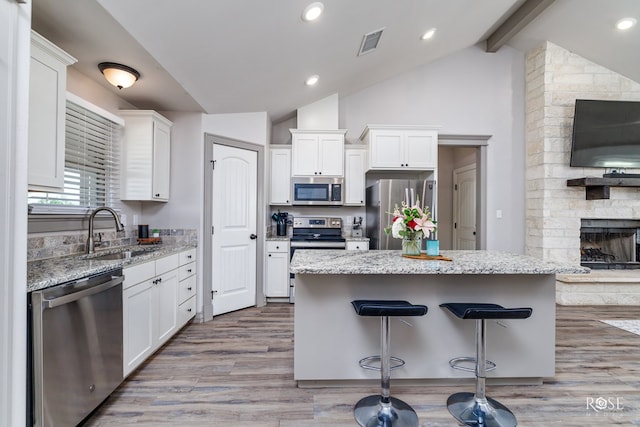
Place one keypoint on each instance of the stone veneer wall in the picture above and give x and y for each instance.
(56, 245)
(555, 78)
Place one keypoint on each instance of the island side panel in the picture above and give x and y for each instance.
(330, 338)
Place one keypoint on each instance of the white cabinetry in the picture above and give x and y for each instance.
(401, 147)
(280, 176)
(277, 266)
(146, 156)
(149, 308)
(47, 109)
(358, 245)
(186, 287)
(317, 152)
(355, 162)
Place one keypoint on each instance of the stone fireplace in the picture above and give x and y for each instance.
(607, 244)
(555, 78)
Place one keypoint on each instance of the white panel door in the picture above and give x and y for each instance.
(464, 208)
(234, 228)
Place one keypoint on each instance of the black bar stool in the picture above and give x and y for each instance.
(478, 409)
(384, 410)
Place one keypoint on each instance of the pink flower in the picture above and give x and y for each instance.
(425, 225)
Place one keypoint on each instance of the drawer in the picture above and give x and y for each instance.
(186, 311)
(138, 273)
(278, 246)
(187, 256)
(186, 271)
(357, 246)
(186, 289)
(167, 263)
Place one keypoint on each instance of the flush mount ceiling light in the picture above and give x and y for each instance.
(119, 75)
(312, 80)
(626, 23)
(427, 35)
(312, 12)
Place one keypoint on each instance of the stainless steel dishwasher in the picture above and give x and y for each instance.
(75, 348)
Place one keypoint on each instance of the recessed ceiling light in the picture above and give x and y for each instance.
(312, 12)
(428, 34)
(626, 23)
(312, 80)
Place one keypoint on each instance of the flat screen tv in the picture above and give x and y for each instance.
(606, 134)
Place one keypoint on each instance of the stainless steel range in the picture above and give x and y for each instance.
(314, 233)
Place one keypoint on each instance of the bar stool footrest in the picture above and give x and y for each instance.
(368, 363)
(456, 363)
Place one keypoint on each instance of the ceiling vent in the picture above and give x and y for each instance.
(370, 42)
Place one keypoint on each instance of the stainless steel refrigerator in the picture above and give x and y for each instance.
(381, 198)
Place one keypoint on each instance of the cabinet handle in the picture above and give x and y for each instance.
(189, 271)
(157, 194)
(277, 247)
(159, 279)
(189, 257)
(189, 310)
(287, 201)
(269, 254)
(189, 288)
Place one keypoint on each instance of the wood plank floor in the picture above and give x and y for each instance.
(238, 371)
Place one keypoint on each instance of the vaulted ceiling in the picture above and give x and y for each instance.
(226, 56)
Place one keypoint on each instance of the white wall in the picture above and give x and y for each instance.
(469, 92)
(247, 127)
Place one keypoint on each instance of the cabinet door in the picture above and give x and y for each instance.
(305, 155)
(331, 155)
(138, 319)
(280, 183)
(47, 110)
(354, 179)
(277, 283)
(421, 149)
(161, 161)
(166, 305)
(386, 149)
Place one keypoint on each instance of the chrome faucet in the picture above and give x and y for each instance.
(119, 226)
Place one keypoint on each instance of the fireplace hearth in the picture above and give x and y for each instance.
(610, 243)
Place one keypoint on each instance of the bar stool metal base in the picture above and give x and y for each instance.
(371, 412)
(472, 411)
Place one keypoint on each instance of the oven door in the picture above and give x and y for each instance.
(308, 245)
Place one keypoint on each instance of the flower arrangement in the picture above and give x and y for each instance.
(411, 222)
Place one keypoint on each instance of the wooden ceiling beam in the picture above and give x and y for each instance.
(519, 19)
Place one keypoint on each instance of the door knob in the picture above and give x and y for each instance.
(253, 237)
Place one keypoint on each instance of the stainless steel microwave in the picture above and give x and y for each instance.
(317, 191)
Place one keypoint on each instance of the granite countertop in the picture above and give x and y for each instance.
(278, 238)
(391, 262)
(357, 239)
(50, 272)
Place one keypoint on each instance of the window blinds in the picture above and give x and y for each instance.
(92, 161)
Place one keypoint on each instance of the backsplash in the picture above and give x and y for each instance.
(43, 246)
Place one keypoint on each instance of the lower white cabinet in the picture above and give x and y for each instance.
(357, 246)
(277, 266)
(156, 300)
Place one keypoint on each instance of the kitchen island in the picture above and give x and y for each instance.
(330, 338)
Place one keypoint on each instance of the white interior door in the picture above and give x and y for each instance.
(234, 212)
(464, 207)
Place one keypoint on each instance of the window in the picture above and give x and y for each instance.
(92, 162)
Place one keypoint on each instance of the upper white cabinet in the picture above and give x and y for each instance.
(47, 109)
(401, 147)
(317, 152)
(355, 163)
(280, 176)
(146, 156)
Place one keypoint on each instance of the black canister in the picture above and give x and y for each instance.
(281, 229)
(143, 231)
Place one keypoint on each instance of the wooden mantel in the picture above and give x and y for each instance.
(598, 188)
